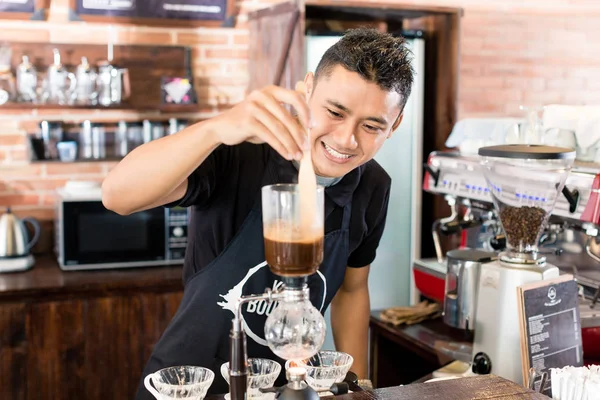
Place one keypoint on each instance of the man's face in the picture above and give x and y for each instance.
(351, 120)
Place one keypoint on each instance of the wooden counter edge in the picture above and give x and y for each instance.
(46, 280)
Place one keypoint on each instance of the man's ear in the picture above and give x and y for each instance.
(309, 81)
(396, 124)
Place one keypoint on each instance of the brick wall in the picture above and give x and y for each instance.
(512, 52)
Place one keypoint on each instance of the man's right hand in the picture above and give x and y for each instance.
(262, 118)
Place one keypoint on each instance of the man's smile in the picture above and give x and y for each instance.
(334, 155)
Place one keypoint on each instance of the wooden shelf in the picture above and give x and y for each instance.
(92, 32)
(174, 108)
(78, 161)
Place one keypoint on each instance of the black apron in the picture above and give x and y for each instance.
(198, 334)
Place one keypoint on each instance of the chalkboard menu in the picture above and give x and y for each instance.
(550, 327)
(20, 6)
(156, 9)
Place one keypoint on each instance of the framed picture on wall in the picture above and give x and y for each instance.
(19, 6)
(156, 12)
(24, 9)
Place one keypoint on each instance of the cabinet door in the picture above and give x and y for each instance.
(55, 356)
(120, 335)
(13, 351)
(276, 45)
(80, 348)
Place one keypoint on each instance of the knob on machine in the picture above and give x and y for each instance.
(482, 364)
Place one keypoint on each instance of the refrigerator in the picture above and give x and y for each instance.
(390, 280)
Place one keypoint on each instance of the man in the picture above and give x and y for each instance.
(353, 103)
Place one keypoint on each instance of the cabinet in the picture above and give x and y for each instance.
(81, 336)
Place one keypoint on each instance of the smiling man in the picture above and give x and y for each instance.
(353, 103)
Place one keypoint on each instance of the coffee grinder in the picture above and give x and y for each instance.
(525, 181)
(295, 329)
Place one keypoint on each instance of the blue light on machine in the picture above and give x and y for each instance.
(529, 197)
(496, 188)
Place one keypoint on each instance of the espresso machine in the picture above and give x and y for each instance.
(295, 329)
(570, 239)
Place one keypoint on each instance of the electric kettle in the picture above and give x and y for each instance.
(14, 238)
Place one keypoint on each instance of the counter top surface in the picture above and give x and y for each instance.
(45, 278)
(431, 335)
(471, 388)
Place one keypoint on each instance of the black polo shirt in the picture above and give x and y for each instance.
(225, 187)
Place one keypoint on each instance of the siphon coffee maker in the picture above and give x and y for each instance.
(295, 329)
(525, 181)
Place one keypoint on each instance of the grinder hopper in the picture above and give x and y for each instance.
(525, 181)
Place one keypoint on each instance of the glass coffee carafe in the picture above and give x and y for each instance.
(295, 329)
(291, 250)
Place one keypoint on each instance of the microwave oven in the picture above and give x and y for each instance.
(89, 236)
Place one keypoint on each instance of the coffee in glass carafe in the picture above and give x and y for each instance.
(293, 248)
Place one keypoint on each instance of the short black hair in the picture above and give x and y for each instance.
(378, 57)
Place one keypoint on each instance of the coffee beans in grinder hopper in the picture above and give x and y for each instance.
(522, 224)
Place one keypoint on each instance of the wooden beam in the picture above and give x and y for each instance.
(385, 5)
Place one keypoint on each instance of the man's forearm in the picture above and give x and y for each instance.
(350, 324)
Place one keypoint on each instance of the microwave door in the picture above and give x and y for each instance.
(95, 235)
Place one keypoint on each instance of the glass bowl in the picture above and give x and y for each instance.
(325, 368)
(180, 382)
(262, 374)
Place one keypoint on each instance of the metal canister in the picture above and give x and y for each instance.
(462, 284)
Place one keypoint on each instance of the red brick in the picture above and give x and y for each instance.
(501, 69)
(576, 71)
(228, 80)
(21, 199)
(8, 127)
(41, 213)
(470, 69)
(19, 154)
(582, 97)
(474, 108)
(48, 199)
(530, 83)
(27, 185)
(12, 140)
(208, 68)
(204, 36)
(224, 52)
(494, 96)
(29, 171)
(73, 168)
(543, 97)
(544, 71)
(565, 84)
(143, 36)
(241, 38)
(78, 33)
(237, 67)
(24, 35)
(482, 82)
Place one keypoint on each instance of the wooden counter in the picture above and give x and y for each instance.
(471, 388)
(72, 335)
